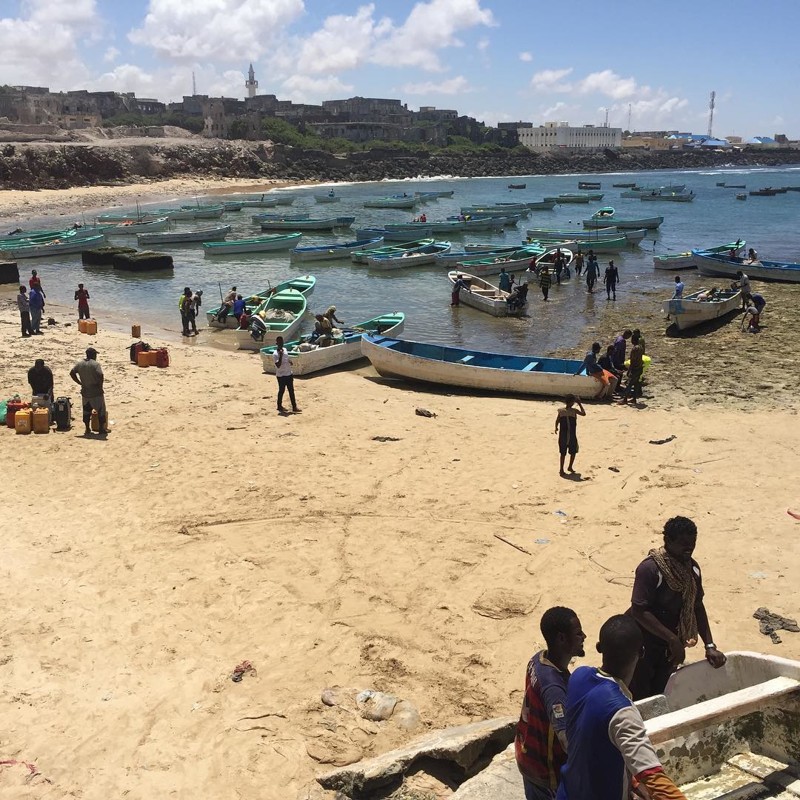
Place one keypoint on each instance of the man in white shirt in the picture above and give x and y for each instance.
(679, 286)
(283, 372)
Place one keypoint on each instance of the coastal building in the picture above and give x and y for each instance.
(642, 142)
(251, 84)
(563, 136)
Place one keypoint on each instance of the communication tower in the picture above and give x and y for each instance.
(711, 112)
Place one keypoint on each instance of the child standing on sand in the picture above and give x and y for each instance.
(567, 430)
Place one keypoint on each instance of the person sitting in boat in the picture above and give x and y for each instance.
(606, 380)
(331, 316)
(423, 217)
(708, 295)
(752, 256)
(322, 335)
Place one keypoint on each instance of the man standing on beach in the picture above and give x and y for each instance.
(633, 388)
(88, 374)
(611, 279)
(567, 430)
(742, 282)
(679, 287)
(24, 307)
(541, 741)
(579, 262)
(36, 302)
(667, 603)
(283, 372)
(620, 347)
(545, 281)
(608, 743)
(82, 296)
(592, 271)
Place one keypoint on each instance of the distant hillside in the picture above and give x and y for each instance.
(43, 165)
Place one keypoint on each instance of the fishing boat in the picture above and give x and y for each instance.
(329, 252)
(702, 306)
(211, 234)
(649, 223)
(23, 248)
(449, 226)
(326, 198)
(447, 193)
(473, 369)
(741, 196)
(361, 256)
(573, 233)
(263, 202)
(624, 185)
(81, 232)
(194, 212)
(569, 197)
(232, 205)
(392, 236)
(517, 185)
(285, 199)
(391, 202)
(602, 244)
(303, 283)
(142, 226)
(128, 216)
(484, 296)
(672, 197)
(517, 261)
(418, 258)
(687, 261)
(327, 224)
(541, 205)
(588, 185)
(269, 216)
(476, 251)
(255, 244)
(308, 357)
(735, 185)
(281, 314)
(767, 192)
(722, 266)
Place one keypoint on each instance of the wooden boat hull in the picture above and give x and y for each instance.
(687, 260)
(768, 271)
(259, 244)
(332, 251)
(483, 295)
(310, 361)
(450, 366)
(690, 311)
(217, 233)
(302, 283)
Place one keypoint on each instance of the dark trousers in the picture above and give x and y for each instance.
(634, 387)
(590, 283)
(286, 382)
(83, 312)
(193, 320)
(652, 671)
(185, 323)
(611, 288)
(25, 320)
(545, 291)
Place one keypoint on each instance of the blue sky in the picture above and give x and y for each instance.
(497, 60)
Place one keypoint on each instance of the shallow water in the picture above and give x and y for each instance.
(767, 223)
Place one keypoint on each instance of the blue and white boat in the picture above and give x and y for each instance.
(473, 369)
(330, 252)
(722, 266)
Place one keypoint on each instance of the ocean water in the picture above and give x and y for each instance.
(770, 224)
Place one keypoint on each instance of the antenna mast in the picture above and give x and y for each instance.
(711, 112)
(606, 123)
(629, 117)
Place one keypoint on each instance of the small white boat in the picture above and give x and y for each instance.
(361, 256)
(211, 234)
(142, 226)
(472, 369)
(326, 198)
(268, 217)
(392, 236)
(604, 221)
(255, 202)
(125, 216)
(26, 249)
(256, 244)
(391, 202)
(483, 295)
(702, 306)
(329, 252)
(194, 212)
(327, 224)
(307, 357)
(448, 193)
(687, 260)
(416, 258)
(302, 283)
(281, 314)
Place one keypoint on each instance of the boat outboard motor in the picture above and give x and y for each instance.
(258, 328)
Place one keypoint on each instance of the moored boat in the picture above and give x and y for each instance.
(281, 314)
(767, 192)
(302, 283)
(210, 234)
(702, 306)
(329, 252)
(391, 202)
(255, 244)
(194, 212)
(28, 249)
(569, 197)
(588, 185)
(643, 222)
(326, 224)
(722, 266)
(672, 197)
(541, 205)
(483, 251)
(418, 258)
(392, 236)
(473, 369)
(484, 296)
(517, 261)
(517, 185)
(361, 256)
(308, 358)
(602, 244)
(687, 260)
(141, 226)
(326, 198)
(128, 216)
(267, 216)
(741, 196)
(447, 193)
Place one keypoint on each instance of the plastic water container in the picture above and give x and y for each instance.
(11, 410)
(162, 357)
(82, 325)
(91, 326)
(23, 420)
(136, 331)
(94, 423)
(143, 358)
(41, 420)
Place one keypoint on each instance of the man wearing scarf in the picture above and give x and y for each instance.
(667, 603)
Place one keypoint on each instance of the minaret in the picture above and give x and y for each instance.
(251, 84)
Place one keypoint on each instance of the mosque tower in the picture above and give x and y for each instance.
(251, 84)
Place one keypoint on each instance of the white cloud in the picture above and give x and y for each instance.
(559, 111)
(214, 30)
(111, 54)
(457, 85)
(483, 44)
(610, 84)
(550, 80)
(306, 89)
(43, 46)
(526, 56)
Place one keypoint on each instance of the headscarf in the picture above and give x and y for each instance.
(679, 576)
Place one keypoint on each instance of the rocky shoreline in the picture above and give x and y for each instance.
(58, 166)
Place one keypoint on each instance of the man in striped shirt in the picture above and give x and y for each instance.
(541, 741)
(609, 748)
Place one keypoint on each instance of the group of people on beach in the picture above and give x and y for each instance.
(609, 369)
(579, 734)
(189, 306)
(31, 302)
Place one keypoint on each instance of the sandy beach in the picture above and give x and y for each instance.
(207, 530)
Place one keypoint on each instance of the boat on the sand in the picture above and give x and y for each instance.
(281, 314)
(687, 260)
(702, 306)
(484, 296)
(721, 266)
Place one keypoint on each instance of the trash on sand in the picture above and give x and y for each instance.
(241, 670)
(663, 441)
(560, 513)
(541, 541)
(423, 412)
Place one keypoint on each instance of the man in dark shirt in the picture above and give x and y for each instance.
(633, 388)
(541, 741)
(611, 279)
(667, 602)
(620, 347)
(40, 377)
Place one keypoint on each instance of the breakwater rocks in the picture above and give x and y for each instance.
(51, 166)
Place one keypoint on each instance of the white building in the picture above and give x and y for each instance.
(561, 135)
